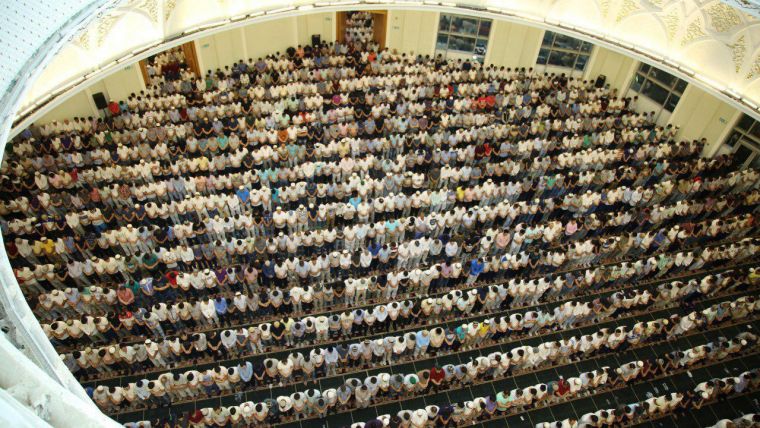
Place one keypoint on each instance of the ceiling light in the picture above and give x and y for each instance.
(280, 10)
(709, 82)
(125, 58)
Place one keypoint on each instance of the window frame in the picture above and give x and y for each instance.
(559, 45)
(647, 77)
(476, 38)
(740, 137)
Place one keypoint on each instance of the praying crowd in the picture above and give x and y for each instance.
(341, 227)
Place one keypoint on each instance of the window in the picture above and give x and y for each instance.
(564, 51)
(659, 86)
(744, 142)
(464, 35)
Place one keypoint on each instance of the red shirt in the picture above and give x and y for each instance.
(113, 107)
(562, 387)
(437, 375)
(196, 417)
(172, 277)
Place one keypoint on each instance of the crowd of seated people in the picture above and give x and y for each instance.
(330, 210)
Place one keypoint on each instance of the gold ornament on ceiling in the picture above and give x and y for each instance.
(738, 50)
(693, 31)
(150, 7)
(671, 23)
(755, 70)
(628, 7)
(657, 3)
(723, 17)
(104, 27)
(169, 6)
(82, 40)
(604, 7)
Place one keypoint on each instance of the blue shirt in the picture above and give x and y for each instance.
(221, 306)
(422, 340)
(355, 201)
(243, 194)
(476, 267)
(245, 371)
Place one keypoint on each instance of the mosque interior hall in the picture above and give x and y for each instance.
(380, 213)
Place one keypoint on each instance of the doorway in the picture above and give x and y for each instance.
(379, 26)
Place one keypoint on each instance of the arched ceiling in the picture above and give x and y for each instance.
(714, 42)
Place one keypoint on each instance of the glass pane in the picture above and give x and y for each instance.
(638, 80)
(745, 122)
(755, 131)
(543, 54)
(643, 68)
(459, 43)
(672, 102)
(445, 22)
(562, 59)
(548, 39)
(580, 63)
(661, 76)
(566, 42)
(741, 154)
(443, 42)
(485, 28)
(586, 47)
(756, 162)
(733, 139)
(681, 86)
(480, 46)
(656, 92)
(463, 25)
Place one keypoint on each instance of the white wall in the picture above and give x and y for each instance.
(79, 105)
(618, 68)
(513, 45)
(701, 115)
(258, 40)
(316, 23)
(117, 86)
(412, 31)
(124, 82)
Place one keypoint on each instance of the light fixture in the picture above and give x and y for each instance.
(711, 83)
(686, 70)
(211, 25)
(280, 10)
(751, 104)
(27, 110)
(732, 93)
(527, 16)
(125, 58)
(92, 74)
